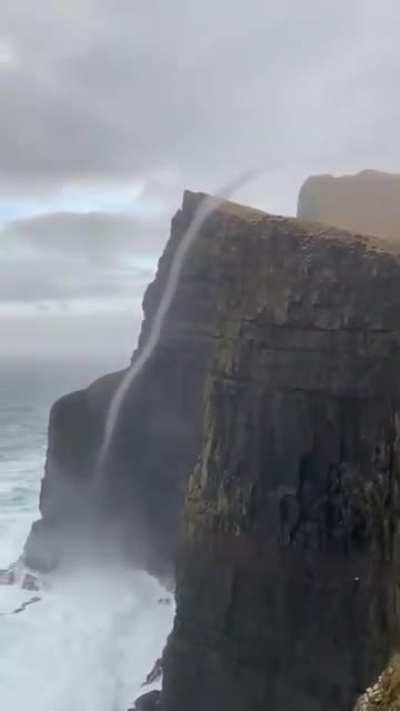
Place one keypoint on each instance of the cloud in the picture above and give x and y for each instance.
(100, 92)
(71, 285)
(86, 338)
(110, 108)
(65, 258)
(92, 236)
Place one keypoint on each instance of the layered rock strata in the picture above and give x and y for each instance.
(277, 372)
(287, 588)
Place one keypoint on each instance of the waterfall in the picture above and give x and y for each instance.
(205, 209)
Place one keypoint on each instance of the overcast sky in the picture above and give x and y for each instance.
(109, 109)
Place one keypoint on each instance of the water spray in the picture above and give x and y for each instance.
(207, 207)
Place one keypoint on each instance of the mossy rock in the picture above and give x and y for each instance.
(384, 695)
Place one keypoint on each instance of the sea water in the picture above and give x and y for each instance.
(95, 633)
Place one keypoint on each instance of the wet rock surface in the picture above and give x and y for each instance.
(155, 674)
(148, 702)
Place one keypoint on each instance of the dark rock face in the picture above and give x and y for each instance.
(140, 497)
(148, 702)
(74, 436)
(286, 590)
(368, 202)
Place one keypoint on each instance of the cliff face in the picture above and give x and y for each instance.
(368, 202)
(286, 593)
(139, 498)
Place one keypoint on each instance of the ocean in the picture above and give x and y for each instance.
(95, 633)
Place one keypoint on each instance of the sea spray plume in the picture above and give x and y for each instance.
(205, 209)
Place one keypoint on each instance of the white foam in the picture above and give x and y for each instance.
(91, 640)
(88, 644)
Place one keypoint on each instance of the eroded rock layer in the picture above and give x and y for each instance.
(287, 594)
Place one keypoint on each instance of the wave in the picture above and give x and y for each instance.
(88, 643)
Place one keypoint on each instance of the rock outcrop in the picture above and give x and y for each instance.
(139, 498)
(147, 702)
(384, 694)
(368, 202)
(287, 591)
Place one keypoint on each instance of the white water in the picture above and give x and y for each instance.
(205, 209)
(91, 640)
(88, 644)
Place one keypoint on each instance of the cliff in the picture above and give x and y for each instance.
(275, 386)
(136, 503)
(368, 202)
(287, 592)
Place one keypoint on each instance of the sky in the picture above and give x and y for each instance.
(111, 108)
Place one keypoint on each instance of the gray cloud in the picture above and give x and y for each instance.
(100, 90)
(107, 338)
(98, 94)
(92, 236)
(71, 286)
(63, 257)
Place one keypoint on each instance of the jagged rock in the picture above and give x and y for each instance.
(287, 580)
(384, 694)
(155, 674)
(368, 202)
(148, 702)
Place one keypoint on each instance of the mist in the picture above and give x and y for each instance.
(70, 338)
(89, 644)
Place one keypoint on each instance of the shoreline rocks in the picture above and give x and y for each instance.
(147, 702)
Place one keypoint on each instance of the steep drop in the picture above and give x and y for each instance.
(287, 591)
(159, 426)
